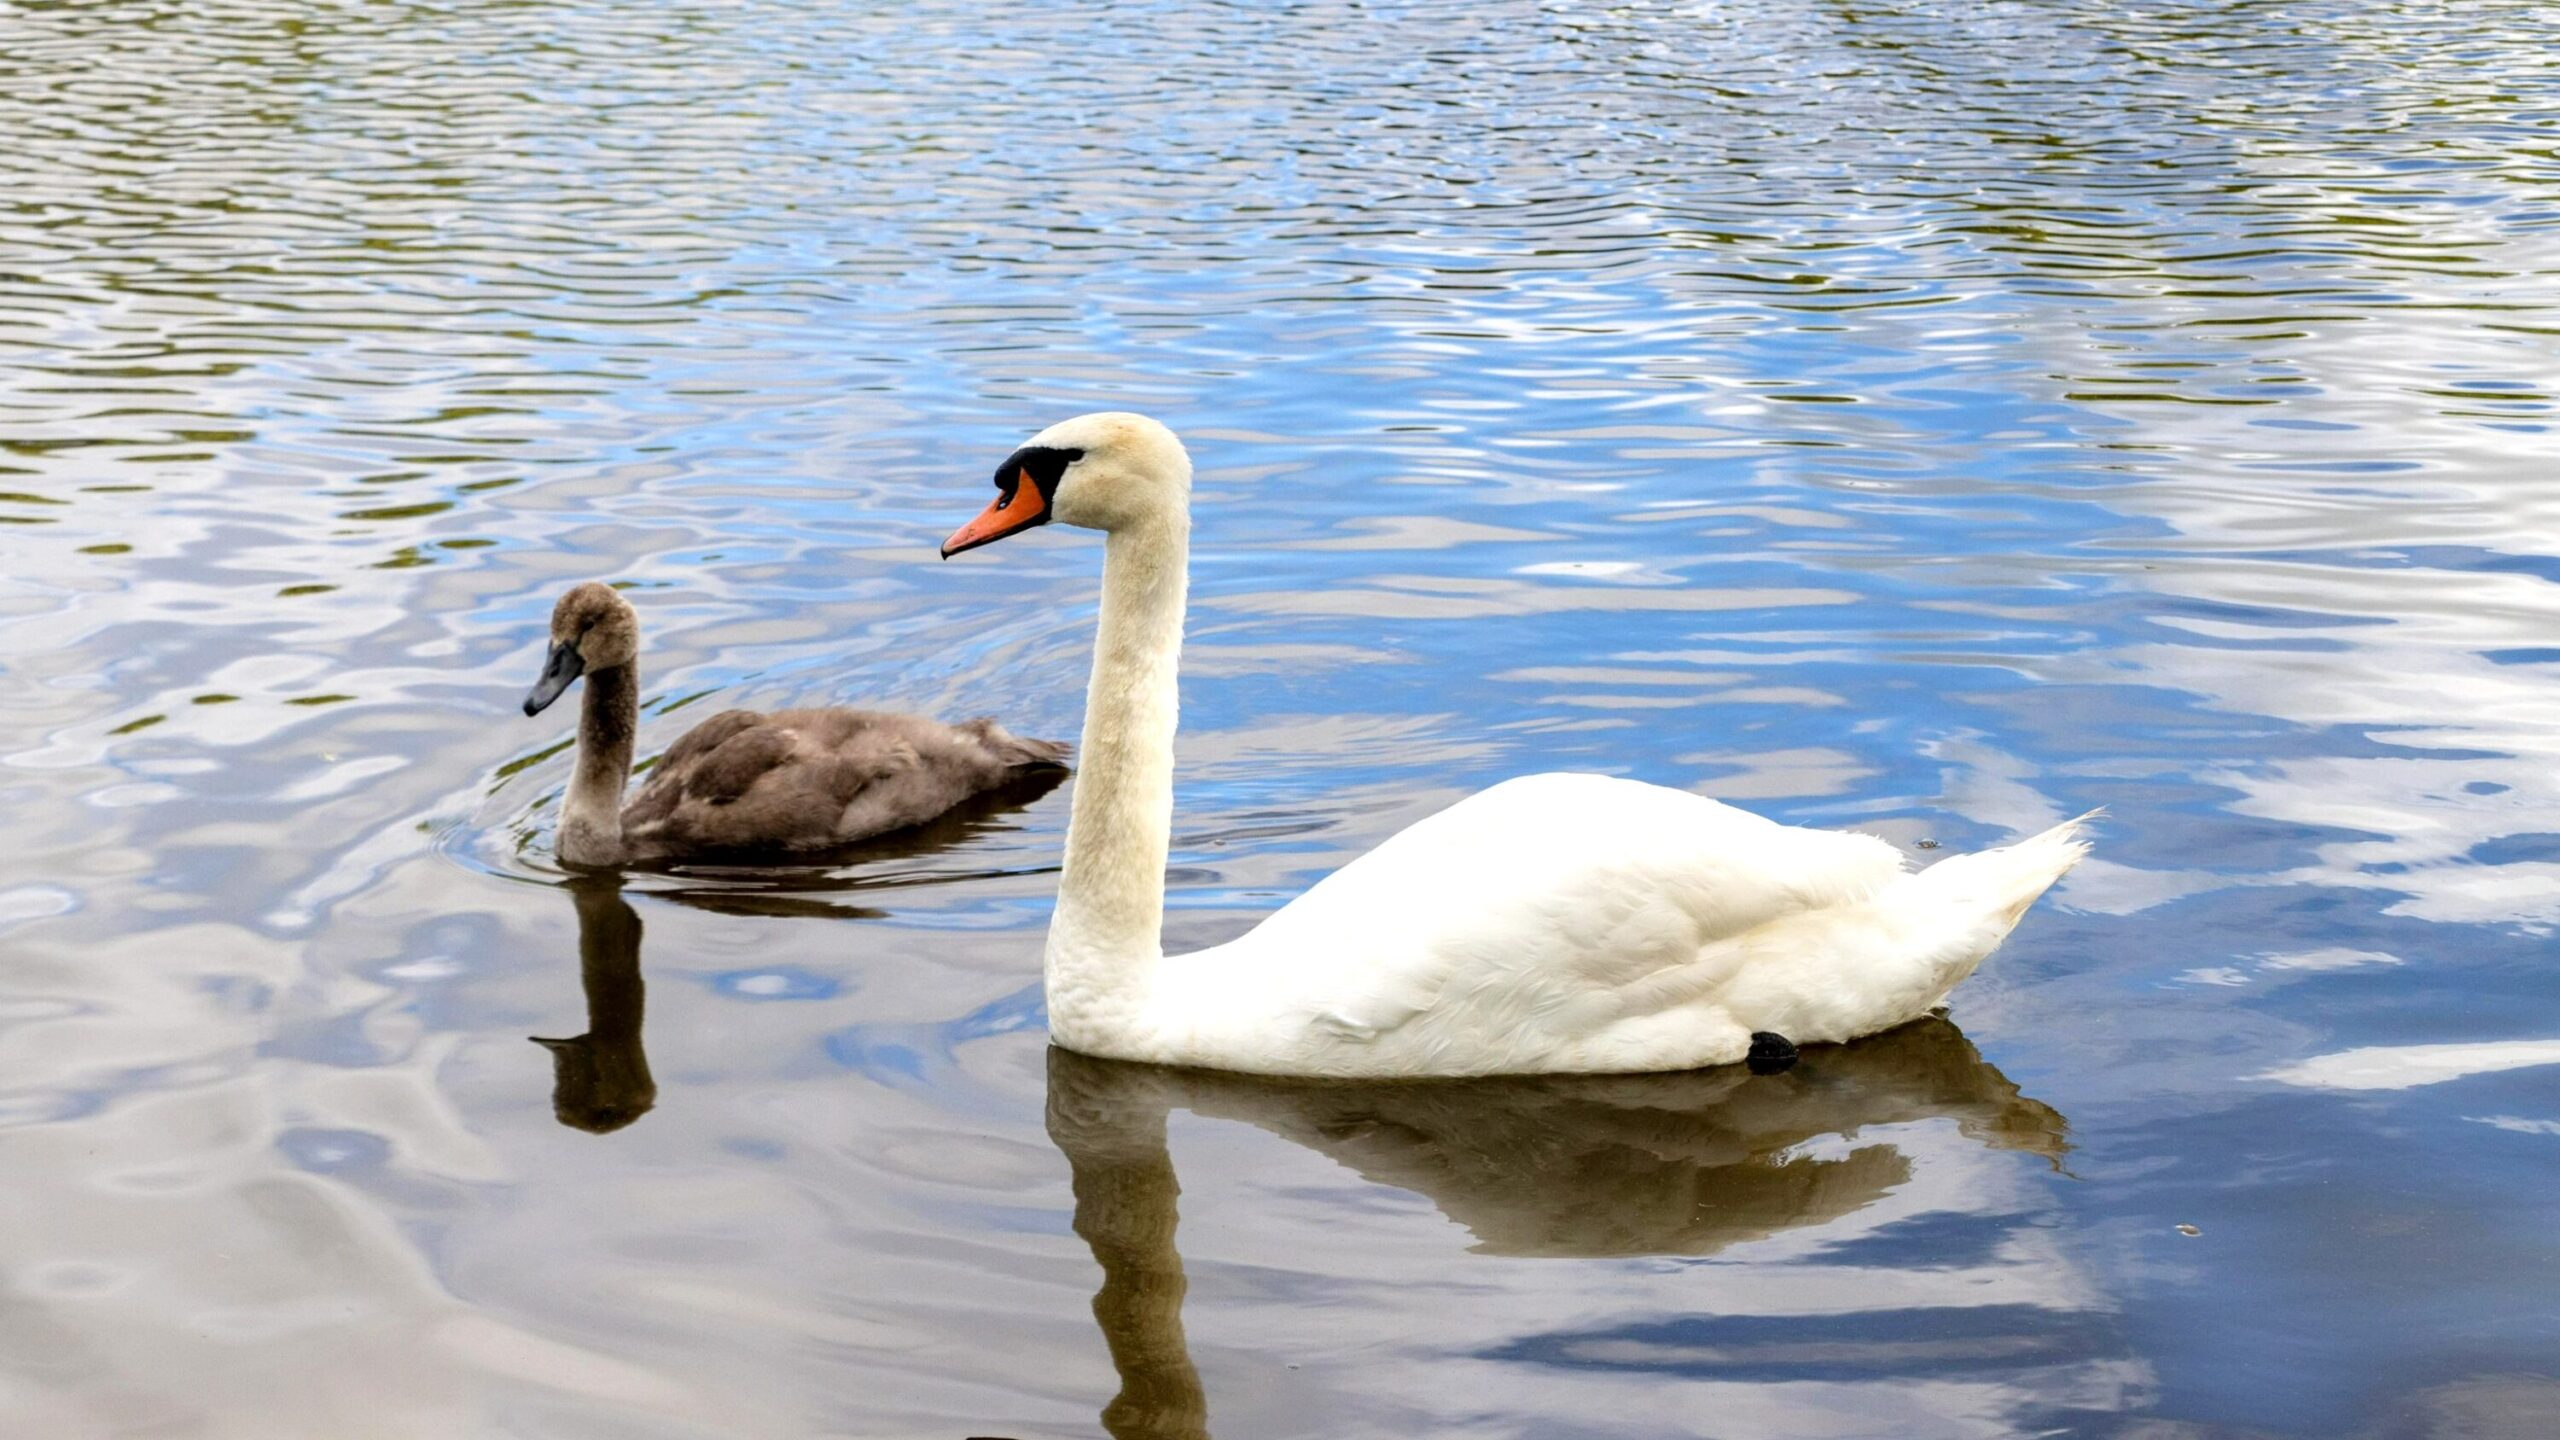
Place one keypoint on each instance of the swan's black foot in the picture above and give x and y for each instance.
(1770, 1054)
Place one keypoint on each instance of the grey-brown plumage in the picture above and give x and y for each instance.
(746, 783)
(812, 779)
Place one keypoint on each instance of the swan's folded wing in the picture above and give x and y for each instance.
(1532, 903)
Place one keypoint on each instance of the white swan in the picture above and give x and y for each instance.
(1553, 923)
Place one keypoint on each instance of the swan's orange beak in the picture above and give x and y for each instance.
(1018, 509)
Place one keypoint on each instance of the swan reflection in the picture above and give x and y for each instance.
(1556, 1166)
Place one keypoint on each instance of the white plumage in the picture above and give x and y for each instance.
(1581, 923)
(1553, 923)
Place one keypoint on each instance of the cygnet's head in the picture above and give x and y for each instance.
(592, 628)
(1105, 471)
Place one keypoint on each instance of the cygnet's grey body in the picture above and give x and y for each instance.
(743, 783)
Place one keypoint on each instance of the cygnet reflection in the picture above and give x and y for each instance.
(600, 1080)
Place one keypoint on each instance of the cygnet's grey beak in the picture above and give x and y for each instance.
(561, 666)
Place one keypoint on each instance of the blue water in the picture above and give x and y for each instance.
(1932, 420)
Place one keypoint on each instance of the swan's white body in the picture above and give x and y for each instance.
(1555, 922)
(1581, 923)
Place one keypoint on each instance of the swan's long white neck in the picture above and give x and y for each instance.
(608, 721)
(1108, 936)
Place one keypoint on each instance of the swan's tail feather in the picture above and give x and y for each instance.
(2005, 881)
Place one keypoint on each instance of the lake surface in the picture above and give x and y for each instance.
(1930, 419)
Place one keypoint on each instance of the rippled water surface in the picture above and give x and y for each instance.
(1931, 419)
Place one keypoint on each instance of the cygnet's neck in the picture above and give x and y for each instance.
(608, 718)
(1108, 935)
